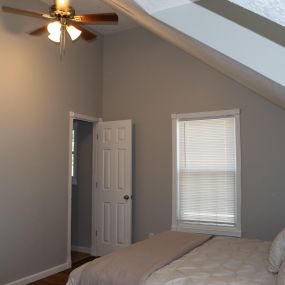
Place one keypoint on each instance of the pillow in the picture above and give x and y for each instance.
(276, 253)
(281, 275)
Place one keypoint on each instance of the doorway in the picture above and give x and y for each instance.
(109, 186)
(81, 173)
(81, 208)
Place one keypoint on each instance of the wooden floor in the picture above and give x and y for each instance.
(61, 278)
(77, 257)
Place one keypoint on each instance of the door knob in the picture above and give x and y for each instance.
(126, 197)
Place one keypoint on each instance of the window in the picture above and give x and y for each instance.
(74, 153)
(206, 172)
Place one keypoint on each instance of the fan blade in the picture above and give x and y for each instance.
(86, 35)
(39, 31)
(105, 18)
(25, 12)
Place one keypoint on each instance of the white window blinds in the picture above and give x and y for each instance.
(206, 171)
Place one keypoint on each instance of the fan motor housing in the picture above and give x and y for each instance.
(67, 13)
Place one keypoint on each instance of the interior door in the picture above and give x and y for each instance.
(113, 196)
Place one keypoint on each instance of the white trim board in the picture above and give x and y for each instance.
(40, 275)
(179, 225)
(81, 249)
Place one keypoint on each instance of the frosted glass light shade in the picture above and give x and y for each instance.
(55, 30)
(73, 32)
(54, 27)
(54, 37)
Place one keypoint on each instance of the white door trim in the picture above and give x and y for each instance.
(75, 116)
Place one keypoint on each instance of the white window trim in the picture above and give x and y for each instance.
(208, 229)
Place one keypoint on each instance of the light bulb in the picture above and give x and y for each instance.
(73, 32)
(55, 31)
(62, 5)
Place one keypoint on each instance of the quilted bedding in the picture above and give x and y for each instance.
(220, 261)
(132, 265)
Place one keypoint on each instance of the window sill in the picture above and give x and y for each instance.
(207, 229)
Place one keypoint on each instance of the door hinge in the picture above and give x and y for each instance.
(97, 137)
(96, 184)
(96, 233)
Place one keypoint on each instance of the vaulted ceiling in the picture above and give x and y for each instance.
(224, 36)
(239, 43)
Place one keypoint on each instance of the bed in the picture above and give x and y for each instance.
(209, 261)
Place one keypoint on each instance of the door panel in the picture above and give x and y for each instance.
(114, 180)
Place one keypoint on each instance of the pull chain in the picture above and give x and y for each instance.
(62, 38)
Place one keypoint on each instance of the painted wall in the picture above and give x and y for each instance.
(147, 79)
(37, 92)
(82, 191)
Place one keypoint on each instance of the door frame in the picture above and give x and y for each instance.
(85, 118)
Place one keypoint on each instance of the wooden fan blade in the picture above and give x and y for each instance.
(39, 31)
(104, 18)
(86, 35)
(25, 12)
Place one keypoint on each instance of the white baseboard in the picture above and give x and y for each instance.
(81, 249)
(40, 275)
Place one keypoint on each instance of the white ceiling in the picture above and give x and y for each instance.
(273, 10)
(155, 6)
(265, 84)
(98, 6)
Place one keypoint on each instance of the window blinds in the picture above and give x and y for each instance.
(207, 171)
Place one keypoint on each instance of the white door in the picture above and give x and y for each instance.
(113, 210)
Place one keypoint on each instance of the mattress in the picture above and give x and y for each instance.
(220, 261)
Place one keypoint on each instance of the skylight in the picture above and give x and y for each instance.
(273, 10)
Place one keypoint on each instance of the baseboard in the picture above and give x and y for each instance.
(81, 249)
(40, 275)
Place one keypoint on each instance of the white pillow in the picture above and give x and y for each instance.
(276, 253)
(281, 275)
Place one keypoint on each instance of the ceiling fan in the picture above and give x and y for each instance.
(64, 20)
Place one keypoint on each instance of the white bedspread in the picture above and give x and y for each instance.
(220, 261)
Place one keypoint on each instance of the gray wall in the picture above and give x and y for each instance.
(82, 191)
(37, 92)
(147, 80)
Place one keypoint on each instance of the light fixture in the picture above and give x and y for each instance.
(57, 32)
(73, 32)
(64, 20)
(54, 30)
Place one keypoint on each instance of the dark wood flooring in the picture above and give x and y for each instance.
(61, 277)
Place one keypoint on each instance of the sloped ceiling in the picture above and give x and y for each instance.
(159, 5)
(262, 75)
(253, 57)
(273, 10)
